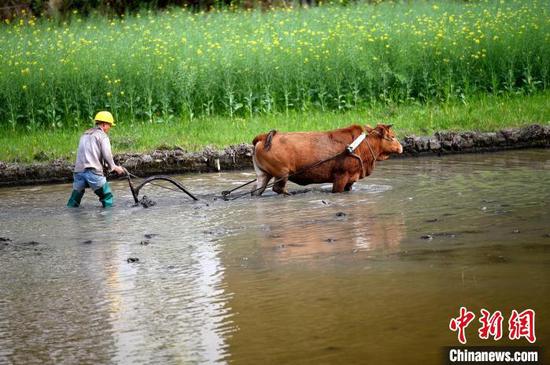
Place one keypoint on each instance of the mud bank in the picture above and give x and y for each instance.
(239, 156)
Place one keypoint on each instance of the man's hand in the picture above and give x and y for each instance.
(119, 170)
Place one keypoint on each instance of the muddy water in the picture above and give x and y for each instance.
(371, 276)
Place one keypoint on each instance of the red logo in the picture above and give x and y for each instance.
(522, 325)
(519, 325)
(491, 325)
(461, 322)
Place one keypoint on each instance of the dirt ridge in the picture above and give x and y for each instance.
(237, 157)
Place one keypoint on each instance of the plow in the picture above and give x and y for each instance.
(151, 180)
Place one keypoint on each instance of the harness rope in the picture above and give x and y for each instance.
(283, 177)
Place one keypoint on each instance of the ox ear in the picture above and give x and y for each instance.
(380, 127)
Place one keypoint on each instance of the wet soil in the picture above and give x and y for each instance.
(238, 157)
(9, 247)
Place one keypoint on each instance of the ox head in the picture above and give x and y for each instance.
(388, 142)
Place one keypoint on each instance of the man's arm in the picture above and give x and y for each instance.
(107, 156)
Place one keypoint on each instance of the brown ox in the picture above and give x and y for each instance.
(289, 156)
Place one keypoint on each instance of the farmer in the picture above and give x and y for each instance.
(94, 152)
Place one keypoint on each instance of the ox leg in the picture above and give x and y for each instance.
(339, 184)
(280, 186)
(262, 179)
(261, 183)
(348, 186)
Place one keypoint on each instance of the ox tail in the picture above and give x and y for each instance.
(266, 138)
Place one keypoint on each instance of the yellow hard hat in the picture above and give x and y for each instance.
(106, 117)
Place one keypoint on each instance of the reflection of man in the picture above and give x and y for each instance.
(94, 151)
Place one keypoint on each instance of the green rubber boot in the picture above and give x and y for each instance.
(76, 197)
(105, 195)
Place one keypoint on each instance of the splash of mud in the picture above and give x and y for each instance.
(146, 202)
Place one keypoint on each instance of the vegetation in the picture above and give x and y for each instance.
(185, 68)
(62, 8)
(484, 113)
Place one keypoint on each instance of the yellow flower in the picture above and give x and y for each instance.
(109, 94)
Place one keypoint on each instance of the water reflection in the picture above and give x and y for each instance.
(327, 227)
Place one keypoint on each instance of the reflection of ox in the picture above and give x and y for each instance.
(297, 156)
(370, 228)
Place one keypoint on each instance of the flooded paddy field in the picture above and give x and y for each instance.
(370, 276)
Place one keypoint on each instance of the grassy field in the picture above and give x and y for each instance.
(180, 66)
(484, 113)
